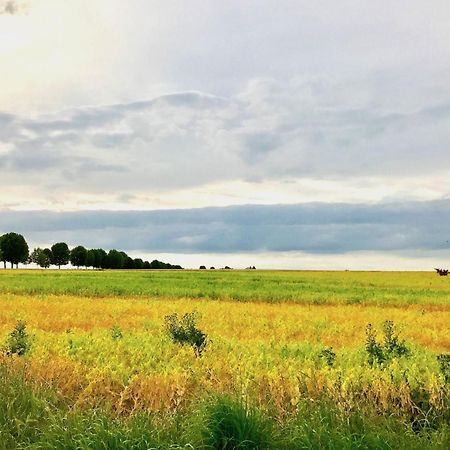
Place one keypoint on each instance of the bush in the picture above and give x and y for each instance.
(444, 365)
(328, 355)
(233, 425)
(18, 342)
(391, 347)
(116, 333)
(184, 331)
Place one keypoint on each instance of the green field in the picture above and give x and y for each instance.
(288, 363)
(368, 288)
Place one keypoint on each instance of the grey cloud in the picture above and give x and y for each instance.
(271, 130)
(314, 228)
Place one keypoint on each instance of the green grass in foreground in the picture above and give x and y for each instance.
(370, 288)
(37, 418)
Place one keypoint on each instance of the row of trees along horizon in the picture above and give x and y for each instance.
(14, 250)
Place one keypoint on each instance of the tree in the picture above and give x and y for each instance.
(14, 249)
(41, 257)
(60, 254)
(1, 254)
(90, 258)
(115, 259)
(100, 258)
(138, 263)
(78, 256)
(128, 263)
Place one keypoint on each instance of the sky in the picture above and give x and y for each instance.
(281, 134)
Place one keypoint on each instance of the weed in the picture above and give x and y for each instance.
(444, 365)
(18, 342)
(328, 355)
(116, 333)
(234, 425)
(185, 331)
(392, 346)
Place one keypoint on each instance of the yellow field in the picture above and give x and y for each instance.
(265, 351)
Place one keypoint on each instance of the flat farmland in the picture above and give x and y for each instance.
(291, 359)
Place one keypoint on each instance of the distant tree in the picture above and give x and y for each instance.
(115, 259)
(138, 263)
(90, 258)
(202, 267)
(128, 263)
(41, 257)
(100, 258)
(78, 256)
(60, 254)
(146, 265)
(212, 268)
(14, 249)
(1, 254)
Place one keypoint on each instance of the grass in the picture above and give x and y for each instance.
(280, 371)
(368, 288)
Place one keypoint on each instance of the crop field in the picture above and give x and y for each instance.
(224, 360)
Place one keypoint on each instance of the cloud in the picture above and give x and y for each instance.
(270, 131)
(11, 7)
(315, 228)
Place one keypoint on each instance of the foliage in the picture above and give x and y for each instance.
(78, 256)
(444, 365)
(328, 355)
(61, 254)
(185, 331)
(18, 342)
(41, 257)
(232, 424)
(391, 347)
(14, 248)
(116, 333)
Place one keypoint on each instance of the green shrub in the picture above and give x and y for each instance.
(444, 365)
(232, 425)
(18, 342)
(392, 346)
(116, 333)
(184, 331)
(328, 355)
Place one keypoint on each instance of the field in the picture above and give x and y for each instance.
(288, 362)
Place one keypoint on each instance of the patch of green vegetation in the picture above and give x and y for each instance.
(369, 288)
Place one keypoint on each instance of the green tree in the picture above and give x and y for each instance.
(14, 249)
(90, 258)
(78, 256)
(60, 254)
(100, 258)
(115, 259)
(41, 257)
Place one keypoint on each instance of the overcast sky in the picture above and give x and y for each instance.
(140, 105)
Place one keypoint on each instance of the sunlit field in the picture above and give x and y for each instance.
(288, 361)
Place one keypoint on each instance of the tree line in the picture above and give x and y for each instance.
(14, 250)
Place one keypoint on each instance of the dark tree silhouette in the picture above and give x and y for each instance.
(78, 256)
(60, 254)
(14, 249)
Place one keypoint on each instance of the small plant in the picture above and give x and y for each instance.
(328, 355)
(184, 331)
(392, 346)
(18, 342)
(373, 348)
(116, 333)
(444, 365)
(234, 425)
